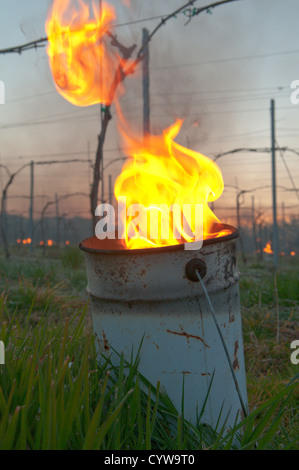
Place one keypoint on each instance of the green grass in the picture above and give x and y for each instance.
(259, 287)
(56, 393)
(270, 313)
(72, 258)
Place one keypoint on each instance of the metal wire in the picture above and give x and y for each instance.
(102, 114)
(223, 343)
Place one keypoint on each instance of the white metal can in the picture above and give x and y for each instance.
(147, 294)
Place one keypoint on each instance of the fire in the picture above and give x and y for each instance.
(162, 173)
(268, 248)
(83, 64)
(161, 176)
(293, 253)
(50, 242)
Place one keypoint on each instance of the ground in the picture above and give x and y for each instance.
(51, 284)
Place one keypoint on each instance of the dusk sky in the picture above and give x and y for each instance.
(219, 72)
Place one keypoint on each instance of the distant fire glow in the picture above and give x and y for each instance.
(268, 249)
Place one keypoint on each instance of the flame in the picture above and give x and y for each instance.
(50, 243)
(268, 249)
(293, 253)
(162, 172)
(82, 61)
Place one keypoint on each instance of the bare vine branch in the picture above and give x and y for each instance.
(3, 206)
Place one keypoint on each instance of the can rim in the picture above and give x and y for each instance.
(163, 249)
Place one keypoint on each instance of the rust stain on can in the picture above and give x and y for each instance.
(105, 341)
(188, 336)
(231, 316)
(236, 364)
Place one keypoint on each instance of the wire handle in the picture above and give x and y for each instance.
(223, 342)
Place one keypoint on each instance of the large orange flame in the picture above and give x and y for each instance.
(163, 173)
(83, 63)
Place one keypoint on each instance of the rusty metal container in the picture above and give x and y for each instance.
(150, 294)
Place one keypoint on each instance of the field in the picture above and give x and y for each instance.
(56, 394)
